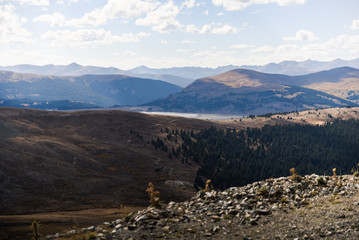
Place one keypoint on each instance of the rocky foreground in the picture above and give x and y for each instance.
(310, 207)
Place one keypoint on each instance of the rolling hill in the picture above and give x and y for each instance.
(247, 92)
(97, 90)
(341, 82)
(61, 161)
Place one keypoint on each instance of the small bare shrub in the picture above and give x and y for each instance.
(154, 195)
(208, 186)
(35, 226)
(295, 176)
(263, 191)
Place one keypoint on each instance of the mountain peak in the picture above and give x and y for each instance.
(74, 64)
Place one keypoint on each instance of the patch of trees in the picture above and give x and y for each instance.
(233, 158)
(158, 143)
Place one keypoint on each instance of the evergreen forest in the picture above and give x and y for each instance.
(237, 157)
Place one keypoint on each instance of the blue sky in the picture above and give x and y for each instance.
(173, 33)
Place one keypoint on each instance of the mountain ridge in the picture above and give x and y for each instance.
(239, 91)
(244, 91)
(183, 76)
(100, 90)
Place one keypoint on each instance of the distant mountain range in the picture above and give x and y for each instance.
(91, 90)
(243, 91)
(294, 68)
(238, 91)
(75, 69)
(183, 76)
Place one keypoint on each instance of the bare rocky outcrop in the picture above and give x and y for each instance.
(310, 207)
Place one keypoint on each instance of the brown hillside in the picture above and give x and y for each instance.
(55, 161)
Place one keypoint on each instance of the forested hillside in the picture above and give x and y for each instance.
(237, 157)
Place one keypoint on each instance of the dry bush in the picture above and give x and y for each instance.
(35, 226)
(154, 195)
(209, 186)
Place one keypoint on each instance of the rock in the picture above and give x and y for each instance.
(71, 232)
(173, 220)
(215, 229)
(263, 211)
(235, 212)
(215, 218)
(141, 217)
(132, 227)
(253, 221)
(166, 228)
(92, 228)
(199, 194)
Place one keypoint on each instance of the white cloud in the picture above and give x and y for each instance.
(128, 54)
(214, 28)
(40, 3)
(92, 19)
(164, 42)
(205, 12)
(38, 57)
(188, 42)
(11, 30)
(355, 25)
(202, 54)
(123, 9)
(233, 5)
(242, 46)
(183, 51)
(55, 19)
(343, 46)
(162, 19)
(264, 48)
(89, 37)
(302, 35)
(128, 8)
(66, 2)
(220, 14)
(210, 58)
(189, 3)
(24, 20)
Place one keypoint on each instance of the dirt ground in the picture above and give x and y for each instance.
(17, 227)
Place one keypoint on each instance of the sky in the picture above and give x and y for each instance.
(173, 33)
